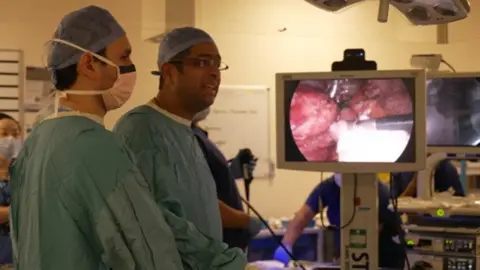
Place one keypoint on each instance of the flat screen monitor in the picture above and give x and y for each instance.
(352, 121)
(453, 112)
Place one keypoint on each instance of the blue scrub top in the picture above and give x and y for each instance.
(5, 241)
(445, 177)
(227, 190)
(391, 254)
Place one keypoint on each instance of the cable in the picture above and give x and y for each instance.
(448, 65)
(394, 200)
(354, 213)
(248, 178)
(295, 261)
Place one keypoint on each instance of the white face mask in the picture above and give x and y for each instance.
(114, 97)
(201, 115)
(338, 179)
(10, 147)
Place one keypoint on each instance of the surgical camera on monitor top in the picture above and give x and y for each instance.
(418, 12)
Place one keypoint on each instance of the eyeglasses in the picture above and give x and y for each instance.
(203, 63)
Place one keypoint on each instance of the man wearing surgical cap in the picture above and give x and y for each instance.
(160, 135)
(78, 200)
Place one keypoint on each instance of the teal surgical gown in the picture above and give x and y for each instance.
(79, 202)
(172, 162)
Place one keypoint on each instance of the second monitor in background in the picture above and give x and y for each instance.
(358, 121)
(453, 112)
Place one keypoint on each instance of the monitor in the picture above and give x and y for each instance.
(453, 112)
(351, 121)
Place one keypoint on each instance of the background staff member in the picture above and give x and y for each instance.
(445, 177)
(238, 227)
(391, 239)
(10, 145)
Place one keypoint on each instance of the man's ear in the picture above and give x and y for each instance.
(169, 73)
(85, 66)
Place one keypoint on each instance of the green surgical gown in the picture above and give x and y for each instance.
(79, 202)
(169, 157)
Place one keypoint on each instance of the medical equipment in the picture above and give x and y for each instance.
(418, 12)
(336, 5)
(430, 62)
(433, 12)
(453, 111)
(450, 244)
(333, 5)
(245, 157)
(383, 9)
(452, 105)
(305, 113)
(394, 122)
(306, 118)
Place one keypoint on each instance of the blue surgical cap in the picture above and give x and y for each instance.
(91, 28)
(178, 40)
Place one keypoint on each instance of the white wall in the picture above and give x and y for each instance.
(247, 34)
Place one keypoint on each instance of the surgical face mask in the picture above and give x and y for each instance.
(201, 115)
(114, 97)
(10, 147)
(338, 179)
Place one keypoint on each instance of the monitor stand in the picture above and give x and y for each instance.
(359, 221)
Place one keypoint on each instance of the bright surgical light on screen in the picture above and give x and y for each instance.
(355, 145)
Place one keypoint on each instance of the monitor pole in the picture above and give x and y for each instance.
(359, 221)
(358, 196)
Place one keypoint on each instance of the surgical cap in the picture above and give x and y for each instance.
(178, 40)
(91, 28)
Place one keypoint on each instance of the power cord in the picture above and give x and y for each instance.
(354, 213)
(443, 61)
(394, 200)
(295, 261)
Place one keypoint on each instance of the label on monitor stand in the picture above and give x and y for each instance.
(358, 238)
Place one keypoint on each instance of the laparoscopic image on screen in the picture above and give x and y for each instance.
(453, 112)
(349, 120)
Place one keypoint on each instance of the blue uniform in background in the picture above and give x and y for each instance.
(391, 239)
(5, 241)
(445, 177)
(227, 190)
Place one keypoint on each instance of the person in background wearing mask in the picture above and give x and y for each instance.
(160, 135)
(78, 201)
(10, 145)
(391, 239)
(238, 227)
(445, 177)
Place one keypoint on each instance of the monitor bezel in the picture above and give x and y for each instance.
(419, 77)
(451, 149)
